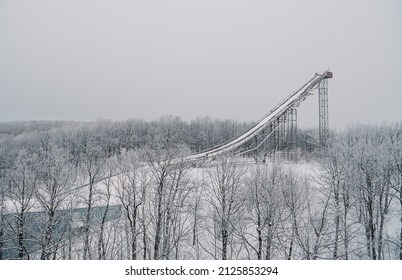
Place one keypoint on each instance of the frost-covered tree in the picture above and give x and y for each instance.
(3, 190)
(92, 168)
(23, 180)
(130, 185)
(372, 189)
(293, 233)
(334, 176)
(394, 154)
(55, 176)
(263, 207)
(168, 192)
(225, 195)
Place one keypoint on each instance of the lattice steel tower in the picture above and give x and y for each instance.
(292, 133)
(323, 109)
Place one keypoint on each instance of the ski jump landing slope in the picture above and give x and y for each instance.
(291, 101)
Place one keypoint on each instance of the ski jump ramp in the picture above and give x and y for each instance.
(292, 101)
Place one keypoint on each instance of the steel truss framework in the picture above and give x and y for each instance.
(323, 112)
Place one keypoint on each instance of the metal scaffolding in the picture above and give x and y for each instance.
(323, 112)
(291, 134)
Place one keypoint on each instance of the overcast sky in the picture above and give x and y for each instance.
(89, 59)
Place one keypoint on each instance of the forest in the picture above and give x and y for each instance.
(114, 190)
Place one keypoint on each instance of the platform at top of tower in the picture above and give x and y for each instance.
(327, 75)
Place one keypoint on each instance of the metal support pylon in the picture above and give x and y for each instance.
(323, 112)
(292, 134)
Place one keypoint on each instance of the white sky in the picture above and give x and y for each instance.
(89, 59)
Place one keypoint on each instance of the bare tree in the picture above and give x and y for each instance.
(295, 219)
(22, 182)
(264, 206)
(178, 212)
(92, 168)
(334, 176)
(3, 186)
(105, 195)
(167, 175)
(55, 177)
(226, 197)
(130, 185)
(372, 189)
(394, 153)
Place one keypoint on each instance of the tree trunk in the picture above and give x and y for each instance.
(337, 227)
(166, 235)
(158, 221)
(372, 231)
(400, 237)
(383, 210)
(144, 234)
(46, 254)
(87, 254)
(21, 236)
(1, 228)
(269, 242)
(224, 243)
(224, 225)
(291, 245)
(134, 235)
(346, 234)
(346, 205)
(101, 241)
(259, 233)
